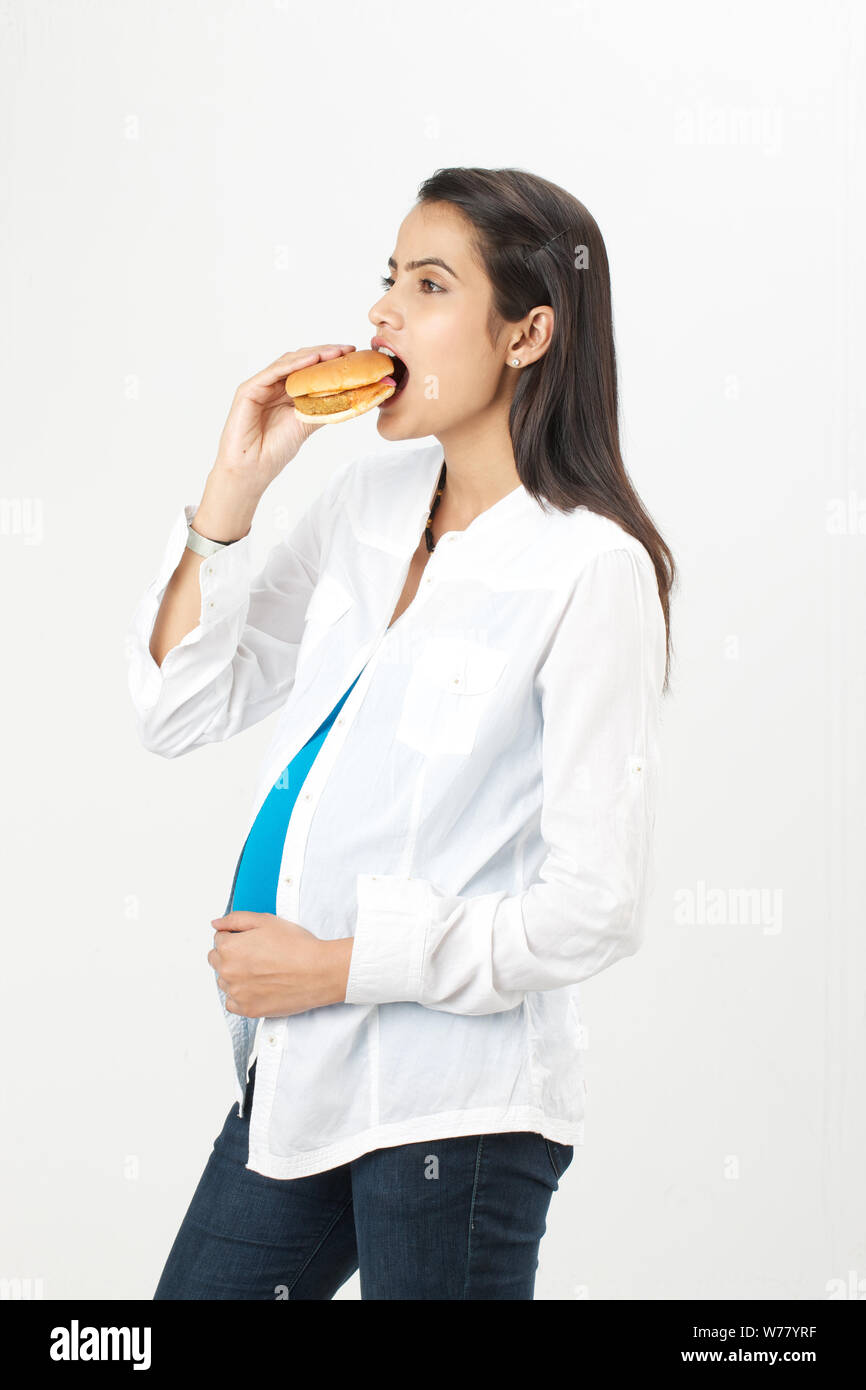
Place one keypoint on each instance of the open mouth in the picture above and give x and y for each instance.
(400, 374)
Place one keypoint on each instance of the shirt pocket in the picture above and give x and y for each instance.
(449, 693)
(330, 601)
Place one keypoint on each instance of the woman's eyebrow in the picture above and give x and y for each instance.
(427, 260)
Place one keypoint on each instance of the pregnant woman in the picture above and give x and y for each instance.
(467, 644)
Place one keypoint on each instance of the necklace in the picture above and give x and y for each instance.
(428, 530)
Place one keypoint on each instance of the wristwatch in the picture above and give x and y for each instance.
(201, 545)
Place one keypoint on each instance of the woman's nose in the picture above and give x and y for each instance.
(384, 311)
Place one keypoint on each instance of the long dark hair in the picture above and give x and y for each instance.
(539, 245)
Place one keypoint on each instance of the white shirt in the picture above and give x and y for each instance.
(479, 817)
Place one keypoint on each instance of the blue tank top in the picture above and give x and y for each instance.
(255, 885)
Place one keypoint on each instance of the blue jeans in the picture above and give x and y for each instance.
(457, 1218)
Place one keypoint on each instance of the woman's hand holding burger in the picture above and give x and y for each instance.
(261, 435)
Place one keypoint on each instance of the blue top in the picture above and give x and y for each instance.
(255, 885)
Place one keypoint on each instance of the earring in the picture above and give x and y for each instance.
(515, 361)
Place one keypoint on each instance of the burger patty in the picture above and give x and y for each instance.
(340, 400)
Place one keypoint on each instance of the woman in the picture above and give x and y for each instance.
(468, 643)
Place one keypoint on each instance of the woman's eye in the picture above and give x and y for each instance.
(387, 281)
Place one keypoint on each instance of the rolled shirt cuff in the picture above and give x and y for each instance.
(390, 934)
(224, 582)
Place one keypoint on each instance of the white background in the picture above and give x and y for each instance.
(191, 189)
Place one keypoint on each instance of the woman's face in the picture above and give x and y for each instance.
(434, 316)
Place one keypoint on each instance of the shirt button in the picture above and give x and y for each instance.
(307, 795)
(287, 880)
(428, 580)
(340, 720)
(210, 569)
(271, 1038)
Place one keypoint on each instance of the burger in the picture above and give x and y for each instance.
(342, 387)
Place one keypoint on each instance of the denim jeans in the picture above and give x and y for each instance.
(456, 1218)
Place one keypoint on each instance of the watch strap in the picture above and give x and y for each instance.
(201, 545)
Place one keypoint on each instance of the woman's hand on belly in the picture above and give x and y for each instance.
(268, 967)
